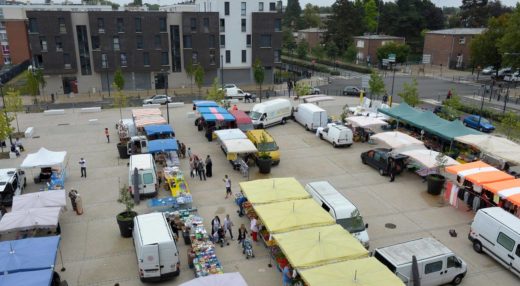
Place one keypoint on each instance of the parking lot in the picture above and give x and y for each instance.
(95, 254)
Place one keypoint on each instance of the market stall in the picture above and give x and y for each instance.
(143, 112)
(162, 131)
(141, 122)
(229, 134)
(29, 219)
(162, 145)
(398, 140)
(211, 122)
(273, 190)
(176, 182)
(424, 161)
(505, 194)
(28, 255)
(365, 122)
(242, 120)
(55, 198)
(213, 110)
(31, 278)
(457, 173)
(51, 164)
(363, 271)
(204, 103)
(226, 279)
(316, 98)
(503, 148)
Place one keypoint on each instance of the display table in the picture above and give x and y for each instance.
(163, 204)
(175, 181)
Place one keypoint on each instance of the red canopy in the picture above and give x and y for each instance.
(241, 117)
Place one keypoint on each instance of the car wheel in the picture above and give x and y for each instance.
(363, 161)
(344, 94)
(477, 246)
(284, 121)
(465, 124)
(381, 172)
(306, 127)
(321, 136)
(457, 280)
(481, 129)
(334, 144)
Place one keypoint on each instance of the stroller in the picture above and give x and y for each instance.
(247, 248)
(221, 237)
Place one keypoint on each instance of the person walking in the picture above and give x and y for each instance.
(107, 135)
(183, 150)
(196, 164)
(215, 224)
(189, 152)
(254, 229)
(179, 153)
(242, 232)
(209, 165)
(228, 224)
(192, 167)
(83, 167)
(227, 181)
(286, 275)
(200, 168)
(391, 170)
(72, 196)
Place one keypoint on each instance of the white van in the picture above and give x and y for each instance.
(237, 93)
(155, 247)
(147, 174)
(12, 183)
(310, 116)
(436, 264)
(271, 112)
(497, 233)
(338, 135)
(340, 208)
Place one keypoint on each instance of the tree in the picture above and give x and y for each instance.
(318, 52)
(484, 48)
(152, 7)
(288, 42)
(509, 45)
(302, 89)
(344, 23)
(370, 16)
(410, 93)
(14, 104)
(199, 77)
(190, 72)
(5, 127)
(33, 86)
(119, 80)
(350, 54)
(332, 50)
(376, 84)
(259, 75)
(450, 109)
(510, 122)
(138, 3)
(302, 50)
(401, 51)
(292, 14)
(476, 13)
(216, 93)
(311, 16)
(120, 98)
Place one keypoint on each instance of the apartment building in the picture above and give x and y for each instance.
(367, 46)
(13, 36)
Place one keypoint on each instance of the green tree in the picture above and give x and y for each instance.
(370, 15)
(484, 48)
(119, 80)
(5, 127)
(350, 54)
(259, 75)
(510, 123)
(190, 72)
(332, 50)
(14, 104)
(302, 89)
(32, 85)
(199, 77)
(152, 7)
(216, 93)
(344, 23)
(120, 98)
(288, 42)
(401, 51)
(318, 52)
(376, 84)
(476, 13)
(138, 3)
(311, 16)
(509, 44)
(410, 93)
(302, 50)
(450, 109)
(292, 15)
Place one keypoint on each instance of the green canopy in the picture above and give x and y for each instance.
(451, 130)
(426, 120)
(401, 111)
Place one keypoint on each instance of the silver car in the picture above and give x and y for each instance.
(158, 99)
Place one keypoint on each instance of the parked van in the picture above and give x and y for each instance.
(340, 208)
(155, 247)
(236, 93)
(12, 183)
(271, 112)
(269, 146)
(437, 264)
(310, 116)
(338, 135)
(137, 145)
(497, 233)
(147, 174)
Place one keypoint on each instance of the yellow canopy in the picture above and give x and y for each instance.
(359, 272)
(273, 190)
(292, 215)
(319, 245)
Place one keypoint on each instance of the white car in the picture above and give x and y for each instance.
(158, 99)
(515, 77)
(237, 93)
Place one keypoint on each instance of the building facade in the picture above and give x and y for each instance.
(450, 47)
(13, 37)
(367, 46)
(313, 36)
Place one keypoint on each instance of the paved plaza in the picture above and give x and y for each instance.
(94, 253)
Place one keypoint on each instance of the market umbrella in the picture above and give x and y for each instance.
(500, 147)
(225, 279)
(273, 190)
(53, 198)
(30, 219)
(365, 121)
(428, 158)
(396, 139)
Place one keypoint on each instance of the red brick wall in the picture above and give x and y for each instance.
(447, 47)
(18, 41)
(371, 46)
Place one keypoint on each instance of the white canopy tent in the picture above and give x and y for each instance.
(364, 121)
(427, 158)
(229, 134)
(44, 158)
(316, 98)
(495, 146)
(30, 219)
(398, 140)
(226, 279)
(239, 146)
(54, 198)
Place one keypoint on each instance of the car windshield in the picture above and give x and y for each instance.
(353, 224)
(255, 115)
(268, 146)
(483, 120)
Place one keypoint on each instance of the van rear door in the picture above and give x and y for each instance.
(148, 182)
(150, 261)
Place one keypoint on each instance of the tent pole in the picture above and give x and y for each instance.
(61, 257)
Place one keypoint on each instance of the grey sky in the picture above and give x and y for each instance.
(438, 3)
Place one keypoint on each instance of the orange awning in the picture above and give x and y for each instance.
(496, 187)
(515, 199)
(150, 120)
(455, 169)
(488, 177)
(136, 113)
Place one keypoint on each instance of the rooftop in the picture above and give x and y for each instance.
(459, 31)
(378, 37)
(312, 30)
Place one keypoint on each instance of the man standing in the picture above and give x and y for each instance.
(83, 167)
(209, 165)
(254, 229)
(227, 181)
(200, 168)
(227, 225)
(107, 135)
(391, 169)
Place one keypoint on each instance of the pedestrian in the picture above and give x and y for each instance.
(385, 98)
(107, 135)
(72, 196)
(83, 167)
(183, 150)
(254, 229)
(173, 225)
(286, 275)
(189, 152)
(448, 96)
(179, 153)
(3, 210)
(200, 168)
(391, 169)
(242, 232)
(196, 164)
(79, 203)
(18, 144)
(235, 107)
(227, 181)
(209, 165)
(228, 224)
(215, 224)
(192, 167)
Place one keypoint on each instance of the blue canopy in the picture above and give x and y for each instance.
(158, 129)
(204, 103)
(162, 145)
(213, 109)
(31, 278)
(209, 117)
(28, 254)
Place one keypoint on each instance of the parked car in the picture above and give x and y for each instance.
(379, 159)
(351, 90)
(515, 77)
(158, 99)
(488, 70)
(472, 121)
(230, 85)
(315, 90)
(502, 73)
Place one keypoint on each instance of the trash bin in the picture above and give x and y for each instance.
(186, 236)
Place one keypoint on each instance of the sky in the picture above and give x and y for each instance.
(438, 3)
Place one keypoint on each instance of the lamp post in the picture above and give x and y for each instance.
(222, 70)
(393, 81)
(165, 78)
(104, 65)
(482, 103)
(5, 111)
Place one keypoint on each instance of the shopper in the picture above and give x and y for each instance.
(18, 144)
(192, 168)
(286, 275)
(391, 170)
(227, 181)
(107, 135)
(215, 224)
(254, 229)
(79, 203)
(242, 232)
(189, 152)
(83, 167)
(200, 168)
(72, 196)
(183, 150)
(209, 165)
(179, 152)
(228, 224)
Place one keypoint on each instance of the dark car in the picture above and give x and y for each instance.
(351, 91)
(472, 121)
(379, 158)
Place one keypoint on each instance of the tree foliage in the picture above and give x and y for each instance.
(376, 84)
(14, 104)
(410, 93)
(318, 52)
(345, 22)
(32, 84)
(350, 54)
(450, 109)
(311, 16)
(288, 41)
(476, 13)
(199, 77)
(5, 126)
(401, 51)
(370, 16)
(510, 123)
(484, 48)
(216, 93)
(332, 50)
(259, 75)
(302, 89)
(509, 44)
(302, 50)
(292, 16)
(119, 80)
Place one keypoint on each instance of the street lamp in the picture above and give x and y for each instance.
(482, 103)
(393, 80)
(222, 70)
(5, 111)
(165, 78)
(104, 65)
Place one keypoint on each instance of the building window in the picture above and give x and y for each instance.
(187, 42)
(211, 42)
(66, 61)
(139, 42)
(243, 9)
(193, 24)
(277, 58)
(212, 57)
(272, 6)
(5, 50)
(33, 25)
(61, 24)
(138, 28)
(7, 60)
(115, 43)
(43, 44)
(165, 59)
(265, 41)
(222, 25)
(462, 40)
(248, 41)
(146, 59)
(95, 42)
(277, 25)
(226, 8)
(101, 25)
(205, 24)
(157, 41)
(261, 6)
(279, 6)
(104, 61)
(83, 48)
(243, 24)
(228, 56)
(120, 25)
(162, 24)
(244, 56)
(360, 44)
(195, 58)
(59, 44)
(122, 58)
(175, 48)
(222, 41)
